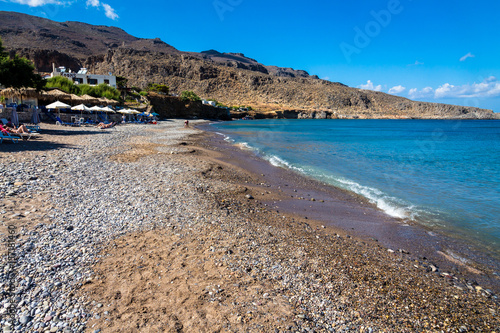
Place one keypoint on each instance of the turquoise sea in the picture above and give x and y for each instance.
(441, 174)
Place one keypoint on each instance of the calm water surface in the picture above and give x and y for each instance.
(443, 174)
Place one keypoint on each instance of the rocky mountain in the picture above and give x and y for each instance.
(230, 78)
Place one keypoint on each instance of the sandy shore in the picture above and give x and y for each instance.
(157, 229)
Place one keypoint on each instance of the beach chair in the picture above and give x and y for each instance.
(28, 136)
(33, 128)
(60, 122)
(7, 136)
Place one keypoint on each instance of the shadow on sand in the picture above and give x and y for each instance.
(44, 142)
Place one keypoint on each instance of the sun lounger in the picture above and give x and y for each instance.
(28, 136)
(33, 128)
(13, 138)
(60, 122)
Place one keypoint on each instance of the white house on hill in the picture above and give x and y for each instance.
(82, 77)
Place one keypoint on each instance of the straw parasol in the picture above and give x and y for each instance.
(89, 99)
(76, 99)
(21, 92)
(108, 101)
(59, 95)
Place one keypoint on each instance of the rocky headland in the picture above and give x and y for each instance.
(230, 78)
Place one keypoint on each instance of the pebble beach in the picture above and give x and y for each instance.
(141, 228)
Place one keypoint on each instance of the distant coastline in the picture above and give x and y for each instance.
(231, 79)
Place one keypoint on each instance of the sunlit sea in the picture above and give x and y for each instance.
(438, 173)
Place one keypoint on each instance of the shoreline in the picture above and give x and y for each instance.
(141, 228)
(352, 214)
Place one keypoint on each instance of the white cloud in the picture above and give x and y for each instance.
(417, 63)
(110, 12)
(397, 89)
(37, 3)
(489, 87)
(468, 55)
(93, 3)
(369, 86)
(424, 93)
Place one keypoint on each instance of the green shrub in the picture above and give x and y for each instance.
(189, 96)
(104, 90)
(143, 93)
(63, 84)
(85, 89)
(161, 88)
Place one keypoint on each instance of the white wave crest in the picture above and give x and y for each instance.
(281, 163)
(391, 206)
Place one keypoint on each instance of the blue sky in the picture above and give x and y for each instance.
(437, 51)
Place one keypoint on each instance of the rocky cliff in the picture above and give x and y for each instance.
(230, 78)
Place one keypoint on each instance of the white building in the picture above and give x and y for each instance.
(212, 103)
(82, 77)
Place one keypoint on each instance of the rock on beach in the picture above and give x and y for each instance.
(113, 230)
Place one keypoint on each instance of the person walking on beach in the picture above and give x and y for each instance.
(186, 123)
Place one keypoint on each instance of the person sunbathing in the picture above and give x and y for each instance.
(103, 125)
(19, 130)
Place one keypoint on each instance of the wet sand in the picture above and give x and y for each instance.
(347, 213)
(163, 229)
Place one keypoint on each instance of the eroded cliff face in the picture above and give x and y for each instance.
(301, 97)
(174, 107)
(230, 78)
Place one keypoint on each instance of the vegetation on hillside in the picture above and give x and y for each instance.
(17, 72)
(160, 88)
(189, 96)
(66, 85)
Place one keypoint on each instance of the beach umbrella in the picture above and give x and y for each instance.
(58, 105)
(108, 109)
(81, 108)
(96, 109)
(35, 118)
(14, 117)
